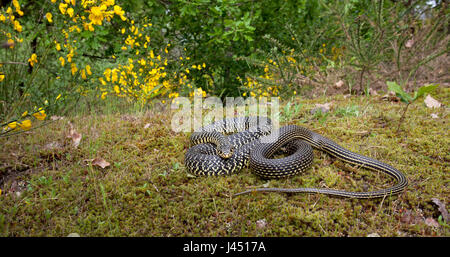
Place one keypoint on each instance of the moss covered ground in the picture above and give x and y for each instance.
(51, 188)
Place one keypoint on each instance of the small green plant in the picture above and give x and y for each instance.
(102, 190)
(407, 98)
(289, 112)
(442, 222)
(48, 214)
(351, 110)
(321, 116)
(45, 181)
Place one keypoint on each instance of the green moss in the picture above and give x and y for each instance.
(146, 191)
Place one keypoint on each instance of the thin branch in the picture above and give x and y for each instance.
(19, 63)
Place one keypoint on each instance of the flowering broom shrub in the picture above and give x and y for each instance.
(76, 49)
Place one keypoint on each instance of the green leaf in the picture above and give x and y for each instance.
(397, 89)
(392, 86)
(424, 90)
(248, 38)
(86, 34)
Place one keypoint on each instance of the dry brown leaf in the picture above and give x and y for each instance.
(390, 96)
(100, 162)
(409, 217)
(74, 135)
(434, 116)
(53, 146)
(260, 224)
(339, 84)
(372, 91)
(431, 222)
(442, 209)
(409, 43)
(323, 107)
(55, 117)
(430, 102)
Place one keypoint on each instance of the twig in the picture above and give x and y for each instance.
(19, 63)
(402, 118)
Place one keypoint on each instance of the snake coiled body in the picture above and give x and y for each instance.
(205, 158)
(215, 154)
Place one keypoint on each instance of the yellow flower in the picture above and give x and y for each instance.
(53, 1)
(114, 76)
(73, 68)
(58, 47)
(17, 26)
(109, 2)
(33, 59)
(49, 17)
(25, 125)
(88, 26)
(130, 41)
(118, 11)
(73, 2)
(17, 6)
(104, 95)
(40, 115)
(107, 74)
(62, 8)
(174, 95)
(83, 74)
(59, 96)
(88, 69)
(62, 60)
(96, 14)
(116, 89)
(10, 43)
(102, 81)
(70, 12)
(2, 77)
(70, 55)
(12, 125)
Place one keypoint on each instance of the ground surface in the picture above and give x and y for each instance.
(51, 188)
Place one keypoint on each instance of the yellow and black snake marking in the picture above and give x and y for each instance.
(246, 148)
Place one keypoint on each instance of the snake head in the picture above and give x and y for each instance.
(225, 151)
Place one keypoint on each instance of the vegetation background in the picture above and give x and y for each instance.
(67, 63)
